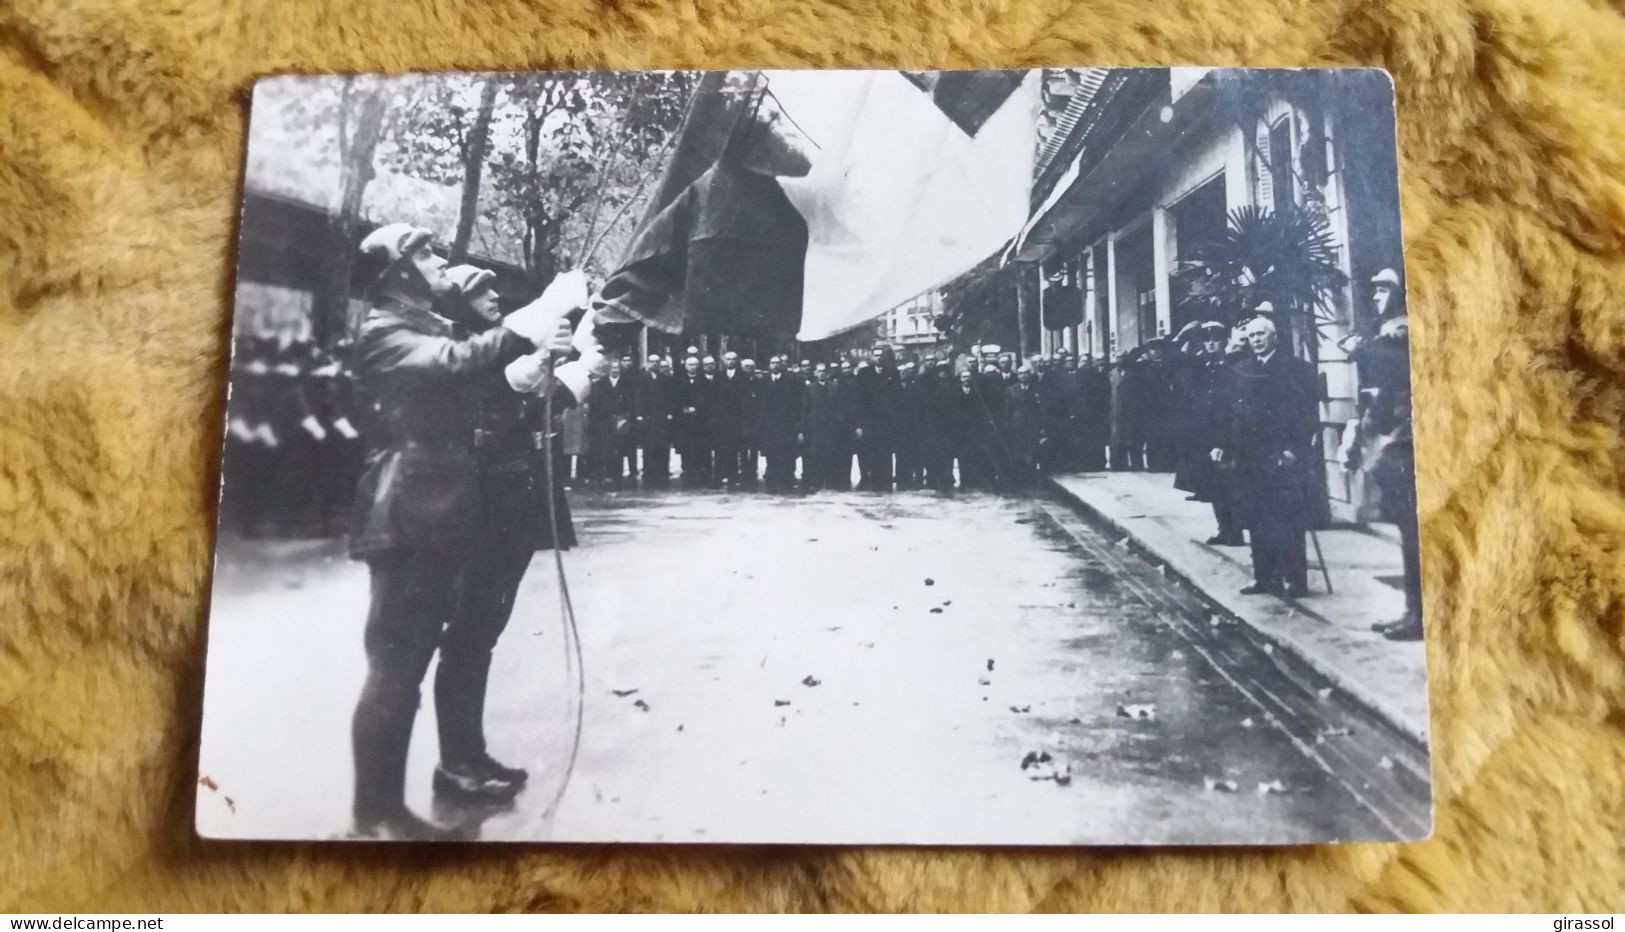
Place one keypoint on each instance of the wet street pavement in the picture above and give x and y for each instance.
(843, 668)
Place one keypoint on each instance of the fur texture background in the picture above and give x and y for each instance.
(121, 148)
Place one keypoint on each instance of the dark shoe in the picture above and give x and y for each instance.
(471, 781)
(404, 825)
(502, 771)
(1260, 589)
(1408, 628)
(1411, 631)
(1297, 592)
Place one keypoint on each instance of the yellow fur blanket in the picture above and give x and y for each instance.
(121, 148)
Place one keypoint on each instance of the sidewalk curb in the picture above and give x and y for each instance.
(1356, 690)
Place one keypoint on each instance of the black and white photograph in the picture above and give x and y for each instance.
(1015, 457)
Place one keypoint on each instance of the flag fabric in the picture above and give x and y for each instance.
(809, 202)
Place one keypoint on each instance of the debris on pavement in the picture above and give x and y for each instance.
(780, 703)
(984, 681)
(810, 680)
(1040, 766)
(990, 664)
(1324, 693)
(1021, 709)
(1247, 722)
(623, 693)
(1147, 710)
(1222, 786)
(641, 705)
(1274, 786)
(936, 610)
(1387, 763)
(929, 581)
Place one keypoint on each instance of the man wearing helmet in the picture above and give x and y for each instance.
(1377, 447)
(420, 515)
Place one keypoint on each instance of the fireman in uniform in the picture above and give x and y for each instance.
(422, 520)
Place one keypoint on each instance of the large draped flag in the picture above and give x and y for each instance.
(809, 202)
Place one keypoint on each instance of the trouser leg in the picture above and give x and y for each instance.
(412, 596)
(1224, 513)
(1410, 552)
(1262, 538)
(488, 586)
(1295, 556)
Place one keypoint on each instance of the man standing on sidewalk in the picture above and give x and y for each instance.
(1381, 446)
(1273, 419)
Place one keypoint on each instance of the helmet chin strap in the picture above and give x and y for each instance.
(404, 280)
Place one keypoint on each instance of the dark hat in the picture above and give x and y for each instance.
(470, 280)
(386, 246)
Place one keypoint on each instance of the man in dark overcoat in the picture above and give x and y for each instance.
(1023, 427)
(824, 432)
(1206, 415)
(731, 406)
(873, 405)
(609, 417)
(778, 422)
(692, 400)
(1273, 418)
(652, 411)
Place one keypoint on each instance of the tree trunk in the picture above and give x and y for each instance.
(332, 300)
(473, 167)
(544, 234)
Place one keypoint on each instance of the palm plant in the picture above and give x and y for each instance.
(1288, 258)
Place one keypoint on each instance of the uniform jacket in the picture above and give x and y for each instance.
(420, 487)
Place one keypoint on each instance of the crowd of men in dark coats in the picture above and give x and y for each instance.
(926, 421)
(1233, 418)
(931, 420)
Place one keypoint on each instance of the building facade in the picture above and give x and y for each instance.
(912, 325)
(1137, 167)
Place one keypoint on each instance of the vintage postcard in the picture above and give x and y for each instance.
(829, 457)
